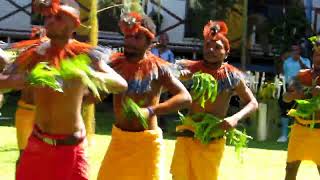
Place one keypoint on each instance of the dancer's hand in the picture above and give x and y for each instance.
(228, 123)
(145, 113)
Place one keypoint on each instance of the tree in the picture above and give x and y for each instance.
(200, 11)
(289, 28)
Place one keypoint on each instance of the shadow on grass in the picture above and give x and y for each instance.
(8, 149)
(8, 109)
(269, 145)
(104, 119)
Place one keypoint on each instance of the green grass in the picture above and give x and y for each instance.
(259, 163)
(263, 160)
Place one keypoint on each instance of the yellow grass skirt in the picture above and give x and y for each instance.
(133, 156)
(195, 161)
(304, 144)
(24, 121)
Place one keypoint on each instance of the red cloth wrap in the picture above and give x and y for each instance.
(41, 161)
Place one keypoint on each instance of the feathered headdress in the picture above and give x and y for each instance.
(216, 30)
(53, 7)
(131, 23)
(46, 7)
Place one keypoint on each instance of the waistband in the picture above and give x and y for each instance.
(316, 125)
(307, 123)
(58, 140)
(146, 135)
(188, 131)
(24, 105)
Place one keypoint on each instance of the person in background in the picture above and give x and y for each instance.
(291, 66)
(161, 50)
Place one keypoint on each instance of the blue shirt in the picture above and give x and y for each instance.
(292, 67)
(166, 55)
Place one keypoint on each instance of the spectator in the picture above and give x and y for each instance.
(161, 50)
(294, 63)
(291, 66)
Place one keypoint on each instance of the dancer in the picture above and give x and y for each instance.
(135, 150)
(305, 133)
(55, 149)
(193, 160)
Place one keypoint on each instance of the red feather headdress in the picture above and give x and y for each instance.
(216, 30)
(46, 7)
(131, 23)
(53, 7)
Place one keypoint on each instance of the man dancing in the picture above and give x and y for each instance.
(193, 160)
(304, 137)
(135, 150)
(55, 149)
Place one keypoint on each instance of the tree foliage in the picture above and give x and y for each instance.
(289, 28)
(200, 11)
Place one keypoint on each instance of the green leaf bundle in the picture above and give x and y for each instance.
(77, 67)
(208, 128)
(132, 110)
(239, 140)
(44, 75)
(306, 108)
(204, 88)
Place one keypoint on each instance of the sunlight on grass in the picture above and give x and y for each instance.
(259, 164)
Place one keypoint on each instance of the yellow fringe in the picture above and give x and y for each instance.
(300, 120)
(306, 122)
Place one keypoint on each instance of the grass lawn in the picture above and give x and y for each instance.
(263, 160)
